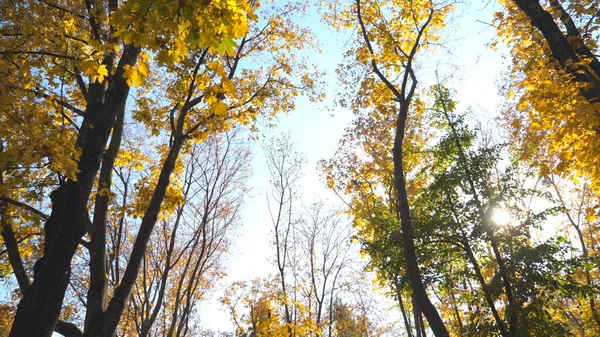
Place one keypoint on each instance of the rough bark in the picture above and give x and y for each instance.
(106, 322)
(68, 329)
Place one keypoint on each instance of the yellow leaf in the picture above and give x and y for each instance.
(164, 57)
(590, 214)
(561, 166)
(86, 66)
(143, 68)
(101, 72)
(219, 109)
(133, 77)
(516, 123)
(241, 28)
(228, 86)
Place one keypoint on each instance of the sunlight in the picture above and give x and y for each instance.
(500, 217)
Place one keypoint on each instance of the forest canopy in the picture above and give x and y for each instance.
(127, 136)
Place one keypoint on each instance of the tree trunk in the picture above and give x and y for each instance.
(401, 305)
(412, 268)
(97, 292)
(112, 316)
(69, 219)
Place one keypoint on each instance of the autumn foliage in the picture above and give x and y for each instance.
(125, 133)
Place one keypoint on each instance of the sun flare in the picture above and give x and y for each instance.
(500, 217)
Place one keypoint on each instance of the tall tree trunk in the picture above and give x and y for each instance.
(412, 268)
(404, 94)
(97, 292)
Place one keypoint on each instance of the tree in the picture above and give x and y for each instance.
(458, 138)
(325, 243)
(72, 74)
(391, 36)
(361, 173)
(469, 262)
(513, 271)
(323, 246)
(360, 311)
(579, 203)
(285, 166)
(311, 245)
(184, 259)
(556, 89)
(346, 323)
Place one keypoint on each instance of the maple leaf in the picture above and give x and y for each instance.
(219, 109)
(101, 72)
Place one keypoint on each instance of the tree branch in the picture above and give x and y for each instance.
(25, 206)
(93, 23)
(68, 329)
(60, 102)
(39, 52)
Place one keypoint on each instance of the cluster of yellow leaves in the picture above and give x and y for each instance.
(6, 317)
(26, 227)
(392, 27)
(37, 136)
(144, 187)
(557, 128)
(36, 143)
(169, 29)
(257, 74)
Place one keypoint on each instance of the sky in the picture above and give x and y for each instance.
(316, 130)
